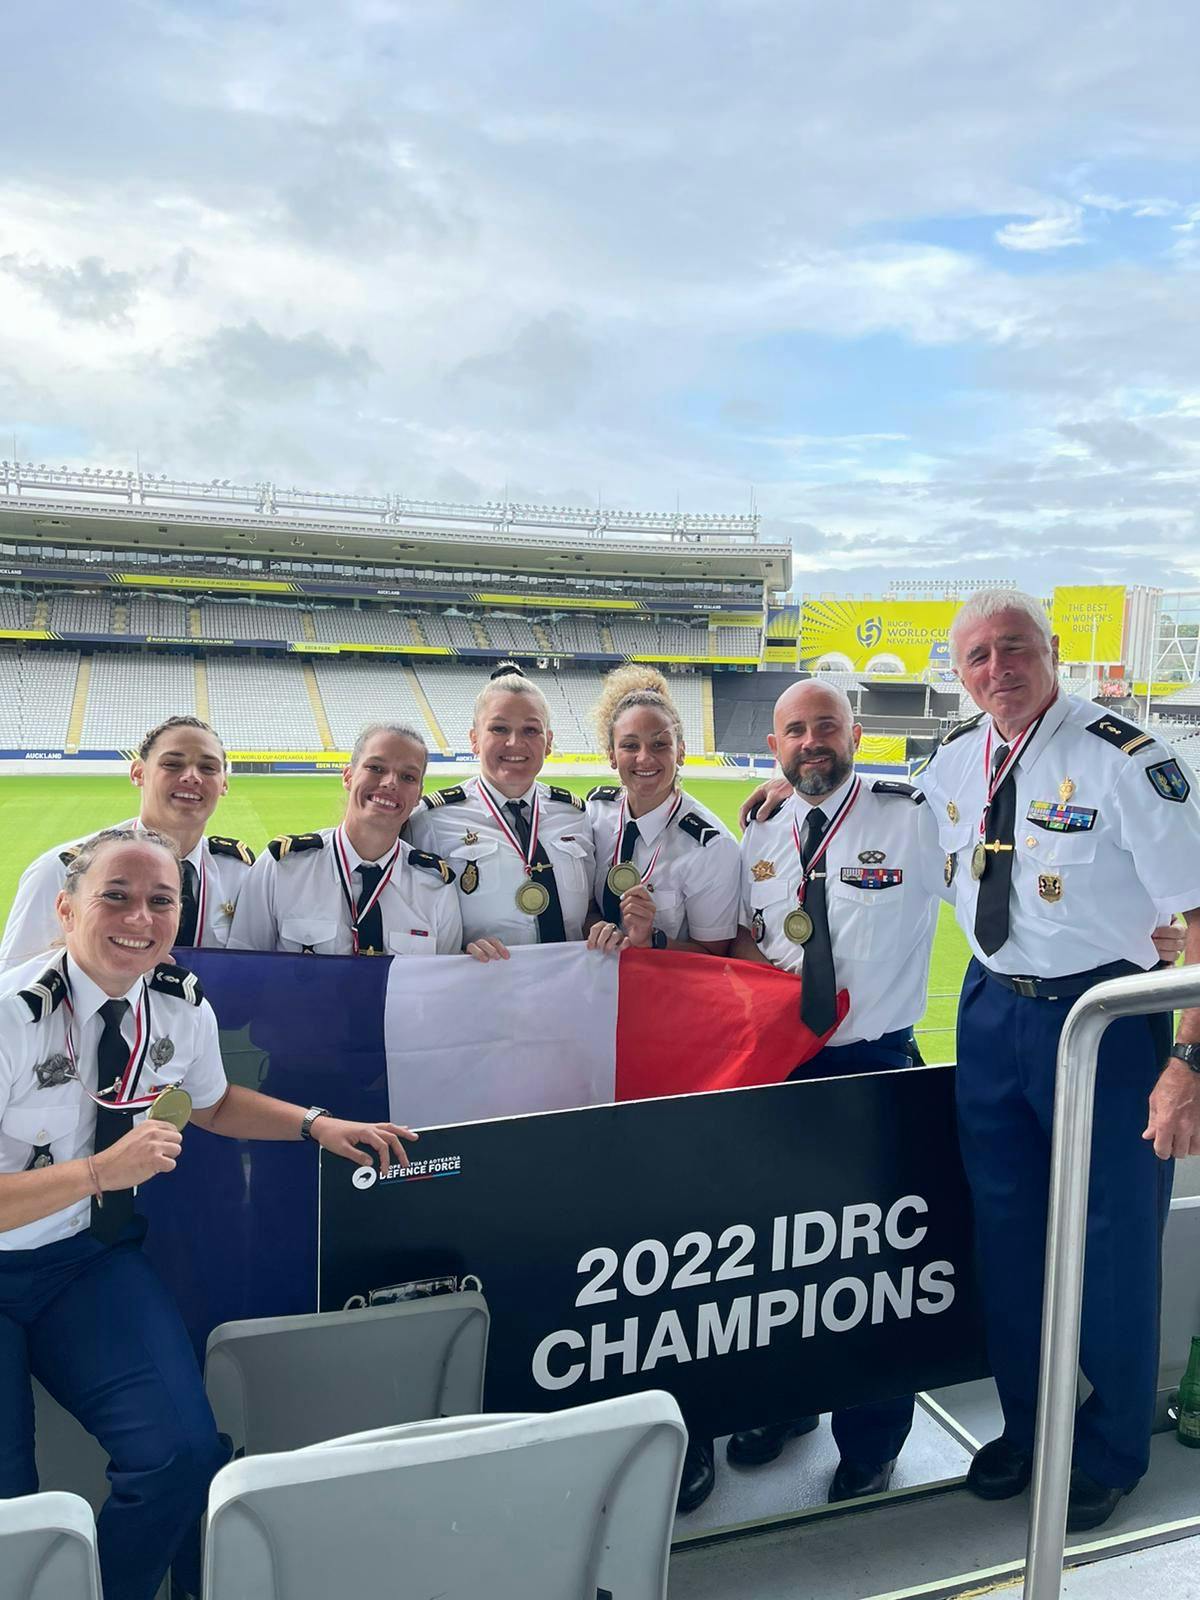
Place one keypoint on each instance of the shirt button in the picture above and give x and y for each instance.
(41, 1136)
(77, 1222)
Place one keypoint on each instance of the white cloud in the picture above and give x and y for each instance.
(1056, 230)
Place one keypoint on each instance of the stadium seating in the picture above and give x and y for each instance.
(356, 692)
(36, 690)
(16, 610)
(162, 614)
(368, 625)
(130, 693)
(80, 613)
(261, 704)
(48, 1548)
(735, 641)
(239, 619)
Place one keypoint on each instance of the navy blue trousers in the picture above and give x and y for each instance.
(1007, 1050)
(872, 1434)
(96, 1326)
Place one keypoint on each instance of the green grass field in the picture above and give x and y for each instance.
(41, 810)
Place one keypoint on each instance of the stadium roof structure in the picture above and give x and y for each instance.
(115, 509)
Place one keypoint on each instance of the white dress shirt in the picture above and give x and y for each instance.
(61, 1117)
(882, 935)
(297, 903)
(1102, 851)
(696, 886)
(33, 922)
(488, 869)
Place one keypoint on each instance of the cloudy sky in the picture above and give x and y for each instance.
(922, 279)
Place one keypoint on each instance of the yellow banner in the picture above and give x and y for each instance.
(557, 602)
(27, 633)
(702, 657)
(781, 654)
(305, 647)
(327, 758)
(735, 619)
(908, 636)
(883, 749)
(156, 580)
(1089, 622)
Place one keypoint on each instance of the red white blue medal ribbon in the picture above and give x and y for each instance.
(839, 816)
(117, 1095)
(341, 861)
(498, 818)
(653, 862)
(993, 784)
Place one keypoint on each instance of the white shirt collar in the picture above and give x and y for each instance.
(87, 997)
(355, 860)
(653, 823)
(503, 800)
(194, 855)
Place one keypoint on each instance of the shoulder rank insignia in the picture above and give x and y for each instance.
(959, 728)
(904, 790)
(605, 791)
(1124, 735)
(432, 863)
(694, 824)
(565, 797)
(445, 797)
(167, 978)
(68, 855)
(1168, 780)
(44, 996)
(230, 847)
(289, 843)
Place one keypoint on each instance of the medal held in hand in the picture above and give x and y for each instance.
(624, 875)
(173, 1105)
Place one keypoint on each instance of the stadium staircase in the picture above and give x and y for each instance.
(306, 626)
(203, 709)
(41, 613)
(480, 635)
(543, 639)
(120, 616)
(320, 717)
(422, 699)
(710, 729)
(195, 626)
(83, 678)
(607, 638)
(418, 633)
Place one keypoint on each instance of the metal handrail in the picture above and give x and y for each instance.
(1066, 1232)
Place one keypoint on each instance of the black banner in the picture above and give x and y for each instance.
(759, 1253)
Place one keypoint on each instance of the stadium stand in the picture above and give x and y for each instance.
(36, 690)
(367, 625)
(163, 614)
(130, 693)
(735, 641)
(72, 612)
(357, 692)
(15, 609)
(237, 619)
(261, 704)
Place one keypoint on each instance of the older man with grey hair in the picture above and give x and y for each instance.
(1066, 833)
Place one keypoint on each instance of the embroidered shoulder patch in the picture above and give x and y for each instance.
(1169, 781)
(431, 863)
(178, 981)
(289, 843)
(957, 731)
(565, 797)
(236, 848)
(694, 824)
(905, 790)
(445, 797)
(605, 791)
(44, 996)
(1124, 735)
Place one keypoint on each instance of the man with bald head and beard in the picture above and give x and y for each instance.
(842, 884)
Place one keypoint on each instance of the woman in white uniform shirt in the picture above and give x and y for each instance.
(90, 1036)
(667, 868)
(182, 772)
(521, 850)
(357, 889)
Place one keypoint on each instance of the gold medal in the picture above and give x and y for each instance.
(623, 876)
(532, 898)
(173, 1105)
(798, 926)
(979, 860)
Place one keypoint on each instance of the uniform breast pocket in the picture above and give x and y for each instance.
(309, 933)
(770, 900)
(571, 863)
(411, 942)
(26, 1126)
(864, 922)
(474, 866)
(1056, 862)
(668, 911)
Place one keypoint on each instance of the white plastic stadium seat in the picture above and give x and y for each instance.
(48, 1549)
(279, 1383)
(532, 1508)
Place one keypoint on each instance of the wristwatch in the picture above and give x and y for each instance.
(1189, 1054)
(310, 1116)
(658, 941)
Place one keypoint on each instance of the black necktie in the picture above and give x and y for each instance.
(611, 903)
(551, 929)
(186, 937)
(991, 909)
(112, 1057)
(369, 923)
(818, 992)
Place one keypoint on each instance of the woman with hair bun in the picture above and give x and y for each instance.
(521, 850)
(667, 868)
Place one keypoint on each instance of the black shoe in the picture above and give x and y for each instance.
(754, 1447)
(1089, 1503)
(1000, 1470)
(852, 1481)
(699, 1475)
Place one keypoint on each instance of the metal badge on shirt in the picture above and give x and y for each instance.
(54, 1071)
